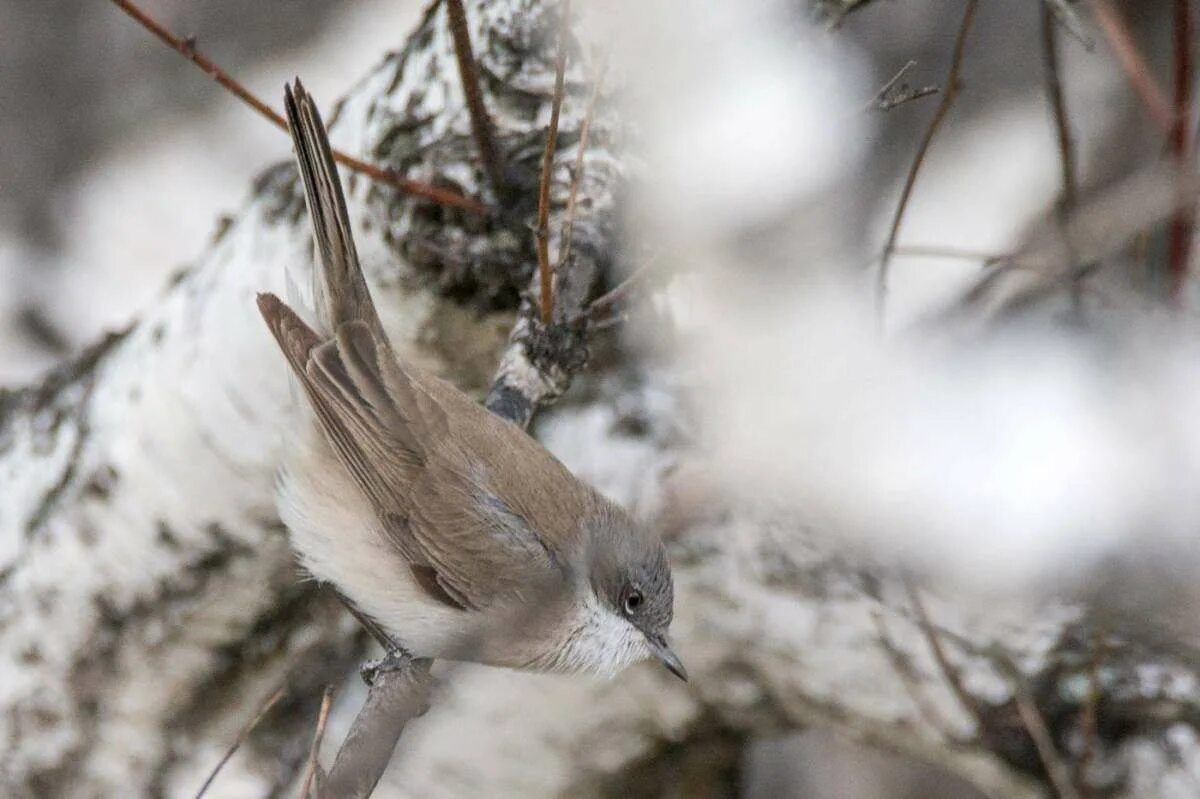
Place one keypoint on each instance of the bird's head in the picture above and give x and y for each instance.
(631, 577)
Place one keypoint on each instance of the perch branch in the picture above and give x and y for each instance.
(187, 48)
(939, 114)
(399, 692)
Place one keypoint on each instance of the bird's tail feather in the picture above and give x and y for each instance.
(340, 292)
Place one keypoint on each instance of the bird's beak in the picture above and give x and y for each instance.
(658, 646)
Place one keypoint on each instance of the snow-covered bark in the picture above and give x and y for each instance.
(149, 602)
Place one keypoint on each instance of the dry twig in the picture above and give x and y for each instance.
(949, 672)
(1132, 63)
(886, 99)
(311, 768)
(187, 48)
(481, 122)
(585, 129)
(1179, 234)
(542, 233)
(243, 734)
(952, 84)
(1043, 741)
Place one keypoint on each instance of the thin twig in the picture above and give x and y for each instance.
(1089, 718)
(1179, 237)
(885, 100)
(243, 734)
(951, 91)
(618, 294)
(542, 233)
(952, 253)
(949, 672)
(903, 667)
(311, 769)
(1043, 741)
(481, 122)
(1058, 110)
(1066, 148)
(585, 129)
(1132, 63)
(187, 48)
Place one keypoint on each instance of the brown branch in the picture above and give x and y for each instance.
(1066, 148)
(949, 672)
(481, 122)
(952, 84)
(542, 233)
(314, 751)
(1179, 236)
(1043, 741)
(1089, 720)
(1058, 110)
(243, 734)
(1132, 63)
(187, 48)
(585, 129)
(399, 692)
(902, 666)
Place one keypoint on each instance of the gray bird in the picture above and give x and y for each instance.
(448, 527)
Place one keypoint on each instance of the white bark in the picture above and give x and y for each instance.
(148, 599)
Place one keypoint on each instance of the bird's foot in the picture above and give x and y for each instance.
(397, 659)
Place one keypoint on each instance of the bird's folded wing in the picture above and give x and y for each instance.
(434, 499)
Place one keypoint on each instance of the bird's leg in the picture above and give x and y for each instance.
(396, 658)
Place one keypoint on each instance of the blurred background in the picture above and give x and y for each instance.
(766, 152)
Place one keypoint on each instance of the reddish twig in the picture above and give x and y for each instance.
(1179, 235)
(187, 48)
(243, 734)
(585, 129)
(1058, 110)
(542, 233)
(1136, 71)
(481, 122)
(312, 767)
(947, 99)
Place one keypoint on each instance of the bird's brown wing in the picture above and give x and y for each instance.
(434, 486)
(454, 488)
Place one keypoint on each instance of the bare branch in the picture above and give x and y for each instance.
(263, 710)
(311, 769)
(952, 83)
(1043, 741)
(949, 672)
(399, 692)
(1179, 234)
(886, 99)
(187, 48)
(481, 122)
(545, 277)
(1132, 63)
(564, 246)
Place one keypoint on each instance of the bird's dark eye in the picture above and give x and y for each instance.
(633, 602)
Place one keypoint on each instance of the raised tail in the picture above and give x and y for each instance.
(339, 290)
